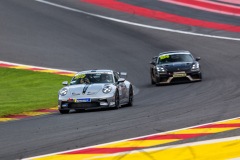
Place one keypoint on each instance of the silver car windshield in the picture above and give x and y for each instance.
(175, 58)
(92, 78)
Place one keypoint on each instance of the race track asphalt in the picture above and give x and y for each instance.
(37, 34)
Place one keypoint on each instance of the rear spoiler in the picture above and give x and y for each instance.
(122, 74)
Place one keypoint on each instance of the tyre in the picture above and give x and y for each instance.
(116, 100)
(64, 111)
(130, 102)
(201, 77)
(157, 83)
(152, 82)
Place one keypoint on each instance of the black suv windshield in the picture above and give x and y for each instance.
(92, 78)
(174, 58)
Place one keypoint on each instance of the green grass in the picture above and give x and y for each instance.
(24, 90)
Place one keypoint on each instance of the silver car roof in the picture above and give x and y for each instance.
(96, 71)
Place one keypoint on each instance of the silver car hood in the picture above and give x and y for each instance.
(87, 89)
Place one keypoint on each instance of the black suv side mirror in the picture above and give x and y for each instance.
(155, 57)
(198, 58)
(153, 62)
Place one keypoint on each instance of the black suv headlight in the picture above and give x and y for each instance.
(161, 69)
(195, 67)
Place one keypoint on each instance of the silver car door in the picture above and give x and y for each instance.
(125, 94)
(122, 90)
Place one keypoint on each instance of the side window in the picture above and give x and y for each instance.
(116, 77)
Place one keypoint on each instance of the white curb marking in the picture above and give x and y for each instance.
(94, 146)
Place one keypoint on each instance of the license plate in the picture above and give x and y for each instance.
(179, 75)
(83, 100)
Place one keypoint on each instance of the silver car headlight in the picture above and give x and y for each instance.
(161, 69)
(107, 89)
(63, 91)
(195, 67)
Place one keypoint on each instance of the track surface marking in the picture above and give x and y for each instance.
(140, 143)
(123, 7)
(218, 149)
(207, 6)
(142, 25)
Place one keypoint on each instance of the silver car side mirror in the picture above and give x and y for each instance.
(65, 83)
(120, 80)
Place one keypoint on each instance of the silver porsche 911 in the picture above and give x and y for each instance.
(94, 89)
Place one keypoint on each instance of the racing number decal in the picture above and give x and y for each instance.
(164, 57)
(80, 76)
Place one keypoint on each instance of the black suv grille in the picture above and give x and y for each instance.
(195, 76)
(182, 79)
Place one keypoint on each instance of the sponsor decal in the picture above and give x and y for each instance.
(180, 75)
(83, 100)
(64, 105)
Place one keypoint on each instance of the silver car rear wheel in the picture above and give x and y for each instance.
(130, 102)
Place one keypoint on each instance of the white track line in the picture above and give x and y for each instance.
(94, 146)
(137, 24)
